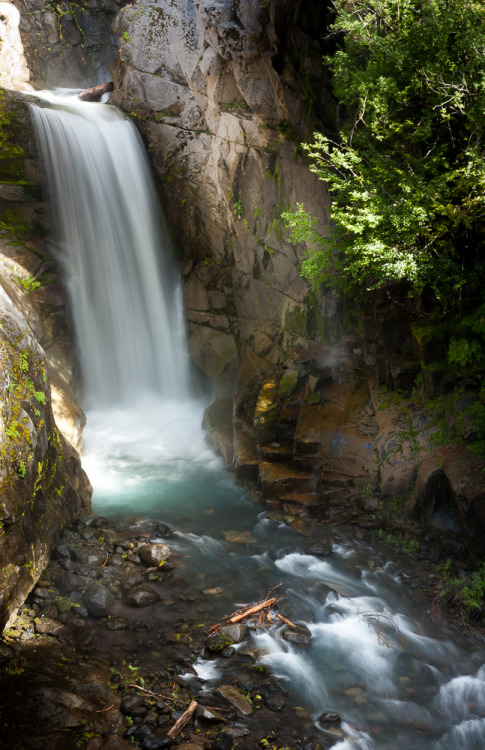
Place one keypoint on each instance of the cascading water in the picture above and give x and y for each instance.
(397, 679)
(124, 294)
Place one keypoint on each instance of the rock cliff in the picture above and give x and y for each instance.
(42, 485)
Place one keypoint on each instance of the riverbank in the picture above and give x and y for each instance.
(92, 663)
(102, 654)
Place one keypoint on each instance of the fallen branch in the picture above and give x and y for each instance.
(182, 721)
(241, 614)
(95, 93)
(252, 610)
(287, 622)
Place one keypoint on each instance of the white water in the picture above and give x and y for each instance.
(110, 238)
(397, 680)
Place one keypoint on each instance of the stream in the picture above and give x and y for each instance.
(374, 656)
(396, 678)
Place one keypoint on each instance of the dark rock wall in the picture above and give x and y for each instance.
(68, 43)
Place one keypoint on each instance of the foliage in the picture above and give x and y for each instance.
(468, 591)
(407, 174)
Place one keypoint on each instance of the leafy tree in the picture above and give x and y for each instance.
(407, 175)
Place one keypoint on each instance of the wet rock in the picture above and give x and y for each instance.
(130, 702)
(89, 556)
(162, 530)
(118, 623)
(44, 595)
(330, 719)
(218, 642)
(237, 732)
(223, 742)
(133, 579)
(210, 714)
(69, 582)
(154, 554)
(46, 626)
(318, 549)
(6, 653)
(98, 600)
(236, 698)
(275, 702)
(98, 522)
(237, 632)
(61, 552)
(142, 596)
(300, 636)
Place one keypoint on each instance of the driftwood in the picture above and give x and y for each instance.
(241, 614)
(252, 610)
(287, 622)
(182, 721)
(95, 93)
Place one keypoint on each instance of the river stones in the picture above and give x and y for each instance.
(69, 582)
(98, 600)
(46, 626)
(236, 698)
(89, 556)
(142, 596)
(154, 554)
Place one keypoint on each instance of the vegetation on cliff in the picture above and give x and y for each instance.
(407, 174)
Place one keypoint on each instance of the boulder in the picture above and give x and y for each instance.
(154, 554)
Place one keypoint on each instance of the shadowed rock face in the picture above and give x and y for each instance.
(201, 81)
(65, 43)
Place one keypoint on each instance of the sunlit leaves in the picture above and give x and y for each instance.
(407, 174)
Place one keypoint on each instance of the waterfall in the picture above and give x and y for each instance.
(110, 237)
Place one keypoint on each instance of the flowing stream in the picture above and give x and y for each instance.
(397, 679)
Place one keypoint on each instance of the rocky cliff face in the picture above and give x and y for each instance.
(200, 81)
(67, 44)
(42, 485)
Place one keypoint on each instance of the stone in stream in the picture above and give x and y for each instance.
(217, 642)
(275, 702)
(238, 632)
(154, 554)
(330, 719)
(142, 596)
(318, 549)
(236, 698)
(98, 600)
(300, 636)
